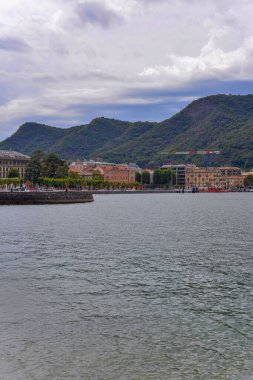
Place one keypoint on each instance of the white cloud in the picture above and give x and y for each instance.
(212, 62)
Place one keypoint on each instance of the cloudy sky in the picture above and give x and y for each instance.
(64, 62)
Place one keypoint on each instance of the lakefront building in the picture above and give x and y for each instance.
(224, 177)
(117, 173)
(216, 177)
(12, 160)
(231, 177)
(111, 172)
(180, 171)
(84, 171)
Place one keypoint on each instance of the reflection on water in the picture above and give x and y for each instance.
(155, 286)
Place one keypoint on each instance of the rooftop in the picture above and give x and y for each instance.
(12, 154)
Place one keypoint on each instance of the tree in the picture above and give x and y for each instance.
(248, 181)
(51, 163)
(73, 175)
(157, 177)
(164, 177)
(13, 173)
(34, 167)
(138, 177)
(145, 177)
(42, 165)
(62, 171)
(96, 175)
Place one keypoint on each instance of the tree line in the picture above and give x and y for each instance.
(165, 177)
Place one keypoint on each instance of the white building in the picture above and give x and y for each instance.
(12, 160)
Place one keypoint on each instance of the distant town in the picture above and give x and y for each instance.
(48, 170)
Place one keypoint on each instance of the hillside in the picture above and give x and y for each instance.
(220, 122)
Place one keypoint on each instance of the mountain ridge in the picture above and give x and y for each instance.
(219, 122)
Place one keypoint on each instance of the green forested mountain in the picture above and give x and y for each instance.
(220, 122)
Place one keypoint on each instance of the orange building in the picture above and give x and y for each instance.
(81, 170)
(117, 173)
(109, 172)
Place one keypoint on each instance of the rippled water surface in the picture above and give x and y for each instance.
(155, 286)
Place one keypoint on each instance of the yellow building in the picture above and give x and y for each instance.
(231, 177)
(216, 177)
(12, 160)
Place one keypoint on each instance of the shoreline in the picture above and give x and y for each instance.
(162, 192)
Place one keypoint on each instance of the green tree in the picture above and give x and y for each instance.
(42, 165)
(248, 181)
(50, 165)
(157, 177)
(145, 177)
(73, 175)
(62, 171)
(34, 167)
(96, 175)
(164, 177)
(138, 177)
(13, 173)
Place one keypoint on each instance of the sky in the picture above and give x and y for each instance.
(65, 62)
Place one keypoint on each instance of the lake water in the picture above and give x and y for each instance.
(154, 286)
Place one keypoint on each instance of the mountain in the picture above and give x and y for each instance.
(219, 122)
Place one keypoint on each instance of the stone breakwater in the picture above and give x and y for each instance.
(44, 197)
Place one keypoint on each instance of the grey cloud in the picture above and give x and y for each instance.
(44, 78)
(153, 1)
(100, 75)
(89, 75)
(96, 13)
(13, 44)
